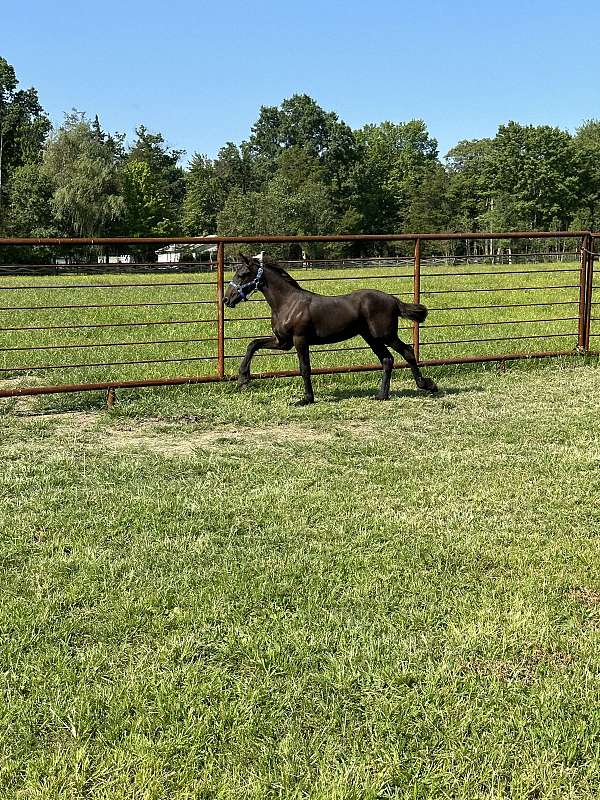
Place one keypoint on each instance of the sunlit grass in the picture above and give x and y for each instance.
(213, 594)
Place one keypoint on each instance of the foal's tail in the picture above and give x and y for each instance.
(414, 311)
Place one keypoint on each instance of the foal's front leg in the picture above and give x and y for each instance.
(268, 342)
(301, 346)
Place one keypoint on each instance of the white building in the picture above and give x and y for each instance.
(125, 258)
(174, 253)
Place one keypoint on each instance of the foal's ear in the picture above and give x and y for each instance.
(244, 258)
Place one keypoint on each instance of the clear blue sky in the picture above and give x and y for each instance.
(198, 72)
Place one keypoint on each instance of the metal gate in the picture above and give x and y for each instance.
(493, 307)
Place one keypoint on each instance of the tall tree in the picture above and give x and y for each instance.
(430, 204)
(280, 208)
(236, 169)
(204, 198)
(469, 167)
(162, 161)
(536, 174)
(24, 127)
(83, 170)
(396, 159)
(587, 145)
(302, 124)
(29, 210)
(147, 210)
(209, 183)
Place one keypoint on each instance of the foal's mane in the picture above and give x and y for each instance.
(281, 272)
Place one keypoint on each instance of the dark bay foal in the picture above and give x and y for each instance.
(300, 318)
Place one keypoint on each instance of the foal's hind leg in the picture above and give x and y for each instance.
(387, 362)
(408, 354)
(268, 342)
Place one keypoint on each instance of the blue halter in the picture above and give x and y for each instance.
(247, 289)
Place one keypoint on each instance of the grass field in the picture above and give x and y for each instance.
(212, 594)
(180, 323)
(209, 594)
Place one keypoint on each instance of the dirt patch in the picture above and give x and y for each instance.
(524, 671)
(25, 403)
(178, 442)
(172, 437)
(588, 597)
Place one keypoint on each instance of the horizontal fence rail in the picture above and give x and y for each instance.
(62, 323)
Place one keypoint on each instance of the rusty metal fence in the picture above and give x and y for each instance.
(494, 308)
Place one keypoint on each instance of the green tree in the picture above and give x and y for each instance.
(536, 174)
(430, 207)
(209, 183)
(24, 127)
(469, 168)
(587, 145)
(83, 170)
(167, 177)
(301, 123)
(204, 197)
(29, 209)
(236, 169)
(147, 210)
(396, 158)
(280, 208)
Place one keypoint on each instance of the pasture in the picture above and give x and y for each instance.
(213, 594)
(156, 322)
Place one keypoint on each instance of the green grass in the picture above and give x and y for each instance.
(190, 313)
(209, 594)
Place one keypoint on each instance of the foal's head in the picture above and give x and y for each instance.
(247, 278)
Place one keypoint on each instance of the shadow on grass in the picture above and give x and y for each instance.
(261, 393)
(52, 404)
(347, 394)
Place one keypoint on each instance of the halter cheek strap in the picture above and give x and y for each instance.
(247, 289)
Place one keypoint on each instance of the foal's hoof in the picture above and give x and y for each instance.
(381, 397)
(427, 385)
(243, 385)
(306, 401)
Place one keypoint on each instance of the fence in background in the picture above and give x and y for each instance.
(434, 280)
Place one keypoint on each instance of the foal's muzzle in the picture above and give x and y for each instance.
(231, 302)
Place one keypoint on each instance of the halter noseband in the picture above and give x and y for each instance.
(247, 289)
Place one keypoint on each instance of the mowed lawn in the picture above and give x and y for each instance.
(213, 594)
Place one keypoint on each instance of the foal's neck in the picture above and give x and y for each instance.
(276, 289)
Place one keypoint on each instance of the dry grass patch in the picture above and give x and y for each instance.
(589, 597)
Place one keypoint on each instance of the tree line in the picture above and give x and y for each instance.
(302, 170)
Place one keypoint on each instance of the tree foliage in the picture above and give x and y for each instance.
(164, 173)
(302, 170)
(147, 210)
(23, 128)
(301, 123)
(82, 166)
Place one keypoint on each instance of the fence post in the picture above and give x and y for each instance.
(417, 295)
(586, 276)
(583, 270)
(220, 311)
(589, 290)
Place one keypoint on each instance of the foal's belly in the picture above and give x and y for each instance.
(323, 337)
